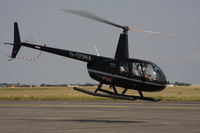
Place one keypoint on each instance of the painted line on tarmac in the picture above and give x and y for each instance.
(49, 105)
(129, 105)
(167, 107)
(143, 103)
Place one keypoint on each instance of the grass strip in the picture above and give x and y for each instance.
(189, 93)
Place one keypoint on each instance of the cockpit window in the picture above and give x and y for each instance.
(124, 67)
(148, 71)
(137, 69)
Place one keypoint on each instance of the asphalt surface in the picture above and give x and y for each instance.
(99, 117)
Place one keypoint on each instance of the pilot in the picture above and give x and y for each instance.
(147, 75)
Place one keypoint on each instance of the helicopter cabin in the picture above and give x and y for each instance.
(131, 73)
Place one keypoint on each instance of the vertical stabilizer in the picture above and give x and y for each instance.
(17, 41)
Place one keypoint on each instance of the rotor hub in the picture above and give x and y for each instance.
(125, 29)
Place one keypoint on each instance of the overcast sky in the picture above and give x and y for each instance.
(177, 55)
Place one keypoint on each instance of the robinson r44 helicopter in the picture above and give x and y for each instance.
(121, 71)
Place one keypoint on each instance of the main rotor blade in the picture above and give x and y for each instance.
(91, 16)
(99, 19)
(148, 31)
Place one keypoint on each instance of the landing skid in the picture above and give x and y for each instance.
(115, 94)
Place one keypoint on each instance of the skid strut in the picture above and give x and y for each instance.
(114, 94)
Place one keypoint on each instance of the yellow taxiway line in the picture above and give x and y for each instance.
(49, 105)
(173, 106)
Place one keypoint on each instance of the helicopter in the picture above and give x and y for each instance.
(120, 71)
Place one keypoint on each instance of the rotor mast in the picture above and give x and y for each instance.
(122, 51)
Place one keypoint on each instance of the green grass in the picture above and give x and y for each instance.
(44, 93)
(191, 93)
(178, 93)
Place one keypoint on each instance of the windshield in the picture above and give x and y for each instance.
(149, 71)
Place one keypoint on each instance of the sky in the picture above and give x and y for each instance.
(42, 20)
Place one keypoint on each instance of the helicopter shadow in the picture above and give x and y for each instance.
(101, 121)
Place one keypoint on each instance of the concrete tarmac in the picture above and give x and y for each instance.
(99, 117)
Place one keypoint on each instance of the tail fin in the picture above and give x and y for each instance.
(17, 41)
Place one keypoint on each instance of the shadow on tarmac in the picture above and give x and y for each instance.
(101, 121)
(82, 120)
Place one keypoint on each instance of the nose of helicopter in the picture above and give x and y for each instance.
(159, 75)
(154, 77)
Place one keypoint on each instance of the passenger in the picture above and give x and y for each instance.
(123, 70)
(137, 71)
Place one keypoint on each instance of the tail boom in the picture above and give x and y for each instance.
(66, 53)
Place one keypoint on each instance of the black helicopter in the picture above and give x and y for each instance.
(121, 71)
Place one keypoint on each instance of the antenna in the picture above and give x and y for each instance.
(97, 51)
